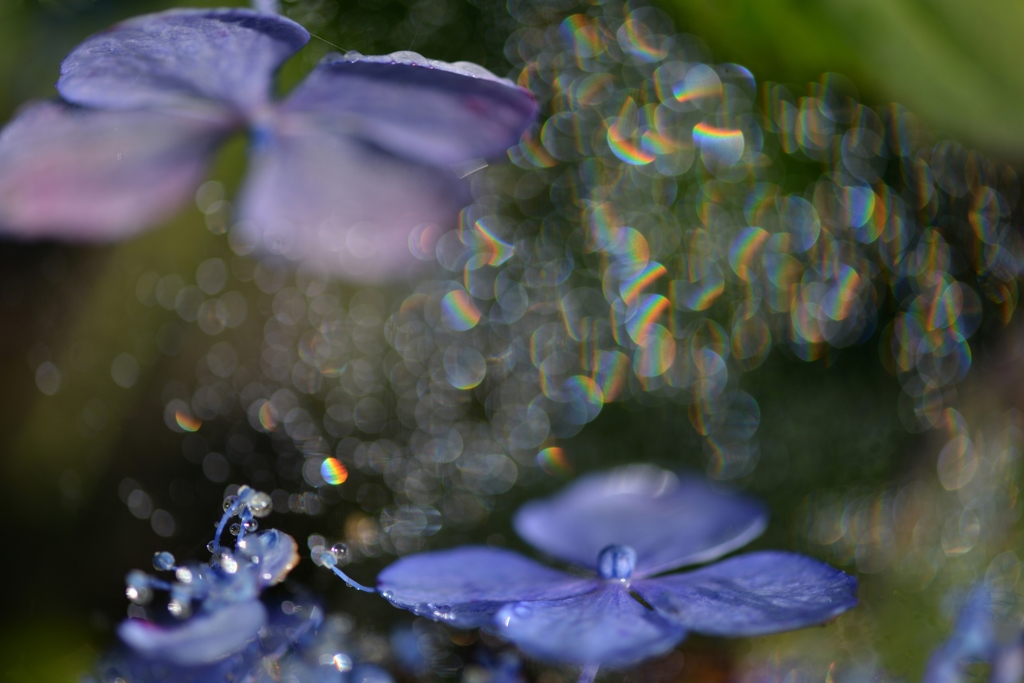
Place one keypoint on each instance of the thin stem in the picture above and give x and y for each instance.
(354, 584)
(228, 514)
(588, 673)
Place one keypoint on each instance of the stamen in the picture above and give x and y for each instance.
(345, 577)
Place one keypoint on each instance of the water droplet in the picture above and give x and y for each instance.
(228, 562)
(339, 549)
(251, 525)
(229, 502)
(616, 562)
(179, 609)
(211, 546)
(261, 504)
(316, 541)
(235, 529)
(163, 561)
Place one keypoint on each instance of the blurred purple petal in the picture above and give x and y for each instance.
(973, 640)
(225, 55)
(606, 626)
(752, 594)
(82, 175)
(203, 639)
(340, 206)
(430, 111)
(466, 586)
(669, 521)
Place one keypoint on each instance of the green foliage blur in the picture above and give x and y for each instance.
(956, 64)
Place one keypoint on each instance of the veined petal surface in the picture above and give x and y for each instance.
(606, 626)
(752, 594)
(340, 206)
(434, 112)
(669, 520)
(88, 175)
(203, 639)
(464, 587)
(222, 55)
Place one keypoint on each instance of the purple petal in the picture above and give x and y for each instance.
(466, 586)
(340, 206)
(431, 111)
(224, 55)
(203, 639)
(82, 174)
(669, 521)
(752, 594)
(606, 626)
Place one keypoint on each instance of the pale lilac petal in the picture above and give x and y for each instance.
(339, 206)
(82, 174)
(203, 639)
(466, 586)
(606, 626)
(752, 594)
(669, 521)
(222, 55)
(421, 109)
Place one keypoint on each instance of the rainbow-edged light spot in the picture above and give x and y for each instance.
(718, 146)
(458, 311)
(631, 289)
(610, 373)
(700, 83)
(187, 421)
(554, 462)
(268, 416)
(656, 356)
(638, 40)
(583, 36)
(744, 251)
(333, 471)
(490, 249)
(643, 321)
(627, 146)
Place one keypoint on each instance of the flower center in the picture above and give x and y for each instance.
(616, 562)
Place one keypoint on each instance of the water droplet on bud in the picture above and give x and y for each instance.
(163, 561)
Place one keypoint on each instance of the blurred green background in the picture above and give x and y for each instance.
(955, 64)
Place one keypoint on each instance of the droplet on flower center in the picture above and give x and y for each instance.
(616, 562)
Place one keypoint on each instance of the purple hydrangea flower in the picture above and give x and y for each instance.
(623, 528)
(356, 158)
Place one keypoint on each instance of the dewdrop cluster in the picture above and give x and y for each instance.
(257, 560)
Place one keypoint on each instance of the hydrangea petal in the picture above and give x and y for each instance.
(752, 594)
(339, 206)
(83, 174)
(224, 55)
(466, 586)
(203, 639)
(606, 626)
(669, 521)
(431, 111)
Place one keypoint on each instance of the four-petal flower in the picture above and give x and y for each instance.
(625, 527)
(344, 170)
